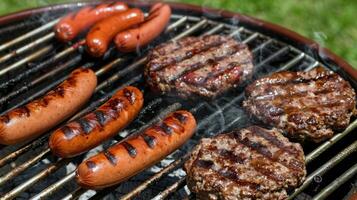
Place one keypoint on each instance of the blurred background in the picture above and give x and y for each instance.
(332, 23)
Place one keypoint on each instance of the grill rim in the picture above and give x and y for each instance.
(286, 35)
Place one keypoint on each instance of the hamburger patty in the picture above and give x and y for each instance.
(253, 163)
(310, 104)
(198, 66)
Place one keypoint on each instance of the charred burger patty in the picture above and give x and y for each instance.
(308, 105)
(198, 66)
(252, 163)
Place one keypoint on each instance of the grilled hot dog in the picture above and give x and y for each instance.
(74, 23)
(89, 131)
(102, 33)
(29, 121)
(153, 25)
(136, 153)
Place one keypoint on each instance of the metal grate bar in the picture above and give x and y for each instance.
(326, 167)
(23, 167)
(52, 168)
(33, 56)
(38, 67)
(172, 188)
(12, 156)
(27, 47)
(193, 29)
(52, 188)
(32, 33)
(154, 178)
(54, 72)
(326, 145)
(328, 190)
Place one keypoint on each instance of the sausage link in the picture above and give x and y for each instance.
(102, 33)
(137, 152)
(134, 38)
(33, 119)
(74, 23)
(89, 131)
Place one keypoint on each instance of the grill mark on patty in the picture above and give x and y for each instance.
(228, 173)
(231, 156)
(272, 139)
(189, 54)
(278, 78)
(211, 62)
(234, 48)
(290, 91)
(231, 68)
(130, 149)
(183, 45)
(262, 149)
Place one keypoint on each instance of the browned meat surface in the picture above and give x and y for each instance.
(253, 163)
(198, 66)
(308, 105)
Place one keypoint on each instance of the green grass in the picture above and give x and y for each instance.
(332, 23)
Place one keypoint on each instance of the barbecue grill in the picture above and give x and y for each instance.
(32, 62)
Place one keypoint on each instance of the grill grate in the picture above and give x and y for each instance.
(31, 69)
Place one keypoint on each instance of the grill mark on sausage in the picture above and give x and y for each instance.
(116, 104)
(91, 165)
(112, 159)
(272, 139)
(130, 95)
(86, 126)
(263, 150)
(101, 117)
(24, 110)
(59, 91)
(149, 140)
(5, 118)
(130, 149)
(165, 128)
(68, 132)
(180, 117)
